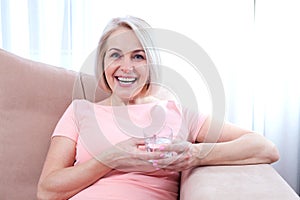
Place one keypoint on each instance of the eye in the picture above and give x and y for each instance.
(115, 55)
(139, 57)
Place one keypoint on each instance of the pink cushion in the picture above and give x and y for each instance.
(247, 182)
(33, 96)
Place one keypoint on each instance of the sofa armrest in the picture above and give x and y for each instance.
(259, 182)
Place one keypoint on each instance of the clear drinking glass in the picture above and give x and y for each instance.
(156, 136)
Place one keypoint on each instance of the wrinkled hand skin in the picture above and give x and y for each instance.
(130, 156)
(185, 155)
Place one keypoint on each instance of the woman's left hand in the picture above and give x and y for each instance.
(178, 156)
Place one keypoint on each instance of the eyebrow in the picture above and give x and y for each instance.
(138, 50)
(134, 51)
(112, 49)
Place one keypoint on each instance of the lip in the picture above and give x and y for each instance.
(126, 81)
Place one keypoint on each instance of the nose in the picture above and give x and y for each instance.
(126, 65)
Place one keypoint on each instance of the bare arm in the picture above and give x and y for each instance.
(59, 178)
(234, 146)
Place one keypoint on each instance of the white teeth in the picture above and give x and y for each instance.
(126, 79)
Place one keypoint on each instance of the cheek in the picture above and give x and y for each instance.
(109, 71)
(110, 66)
(144, 72)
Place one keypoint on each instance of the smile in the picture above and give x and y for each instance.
(126, 80)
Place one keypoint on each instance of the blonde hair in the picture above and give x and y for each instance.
(142, 31)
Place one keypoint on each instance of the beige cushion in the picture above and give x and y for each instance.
(33, 96)
(246, 182)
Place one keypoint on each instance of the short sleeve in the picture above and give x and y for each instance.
(67, 125)
(194, 122)
(191, 121)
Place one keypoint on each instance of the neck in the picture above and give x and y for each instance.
(114, 100)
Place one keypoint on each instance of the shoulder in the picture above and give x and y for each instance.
(189, 115)
(79, 106)
(81, 103)
(104, 102)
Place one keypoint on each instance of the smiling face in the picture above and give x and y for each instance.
(125, 65)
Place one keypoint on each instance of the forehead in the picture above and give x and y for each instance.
(123, 39)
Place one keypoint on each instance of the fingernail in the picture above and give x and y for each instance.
(162, 155)
(161, 148)
(157, 168)
(154, 164)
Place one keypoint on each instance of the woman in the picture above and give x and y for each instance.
(97, 150)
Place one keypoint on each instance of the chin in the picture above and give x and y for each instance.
(129, 94)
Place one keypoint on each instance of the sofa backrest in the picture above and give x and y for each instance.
(33, 96)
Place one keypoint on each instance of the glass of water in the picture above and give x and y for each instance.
(156, 136)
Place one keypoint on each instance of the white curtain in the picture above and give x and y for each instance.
(278, 98)
(254, 44)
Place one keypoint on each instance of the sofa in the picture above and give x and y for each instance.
(34, 95)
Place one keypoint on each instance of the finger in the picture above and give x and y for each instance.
(174, 160)
(185, 161)
(137, 141)
(143, 155)
(175, 166)
(162, 163)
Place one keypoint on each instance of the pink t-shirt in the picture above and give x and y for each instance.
(95, 128)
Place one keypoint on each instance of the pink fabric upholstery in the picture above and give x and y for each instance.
(246, 182)
(33, 96)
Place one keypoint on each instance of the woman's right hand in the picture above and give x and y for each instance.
(130, 155)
